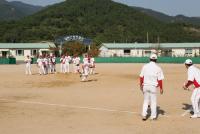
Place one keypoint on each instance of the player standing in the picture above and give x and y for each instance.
(46, 64)
(66, 65)
(193, 78)
(76, 64)
(62, 64)
(53, 60)
(28, 65)
(150, 78)
(40, 65)
(85, 68)
(92, 64)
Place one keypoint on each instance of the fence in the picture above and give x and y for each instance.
(175, 60)
(7, 61)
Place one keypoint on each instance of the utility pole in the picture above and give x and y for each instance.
(158, 39)
(61, 46)
(158, 48)
(147, 37)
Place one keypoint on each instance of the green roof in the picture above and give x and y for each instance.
(150, 45)
(26, 45)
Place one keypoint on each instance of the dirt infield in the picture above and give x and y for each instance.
(109, 103)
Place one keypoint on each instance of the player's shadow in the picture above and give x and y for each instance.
(159, 112)
(187, 107)
(35, 74)
(91, 80)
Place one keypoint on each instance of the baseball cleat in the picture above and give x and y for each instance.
(195, 116)
(144, 118)
(153, 119)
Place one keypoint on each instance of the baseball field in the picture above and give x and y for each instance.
(109, 103)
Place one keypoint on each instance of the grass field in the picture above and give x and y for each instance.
(109, 103)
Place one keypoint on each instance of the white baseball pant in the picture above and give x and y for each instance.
(195, 98)
(85, 73)
(41, 69)
(28, 68)
(62, 68)
(150, 98)
(66, 67)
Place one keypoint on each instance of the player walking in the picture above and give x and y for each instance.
(150, 78)
(28, 65)
(193, 78)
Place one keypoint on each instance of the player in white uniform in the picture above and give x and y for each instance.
(193, 79)
(53, 61)
(151, 77)
(66, 65)
(46, 64)
(92, 64)
(40, 65)
(85, 68)
(76, 64)
(51, 69)
(62, 64)
(28, 65)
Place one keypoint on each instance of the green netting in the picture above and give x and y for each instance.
(7, 61)
(177, 60)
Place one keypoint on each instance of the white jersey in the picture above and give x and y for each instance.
(67, 59)
(92, 61)
(76, 60)
(62, 60)
(151, 73)
(40, 61)
(194, 75)
(27, 61)
(85, 61)
(46, 61)
(53, 60)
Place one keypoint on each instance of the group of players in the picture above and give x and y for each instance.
(47, 65)
(151, 77)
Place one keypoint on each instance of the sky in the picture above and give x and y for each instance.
(170, 7)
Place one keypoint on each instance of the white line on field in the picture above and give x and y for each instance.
(72, 106)
(77, 107)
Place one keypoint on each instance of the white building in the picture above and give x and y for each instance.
(20, 50)
(145, 49)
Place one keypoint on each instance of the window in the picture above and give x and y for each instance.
(148, 53)
(138, 52)
(188, 51)
(127, 52)
(34, 52)
(4, 53)
(19, 52)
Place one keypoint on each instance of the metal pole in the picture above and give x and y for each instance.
(61, 45)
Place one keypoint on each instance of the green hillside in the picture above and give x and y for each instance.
(169, 19)
(16, 10)
(101, 20)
